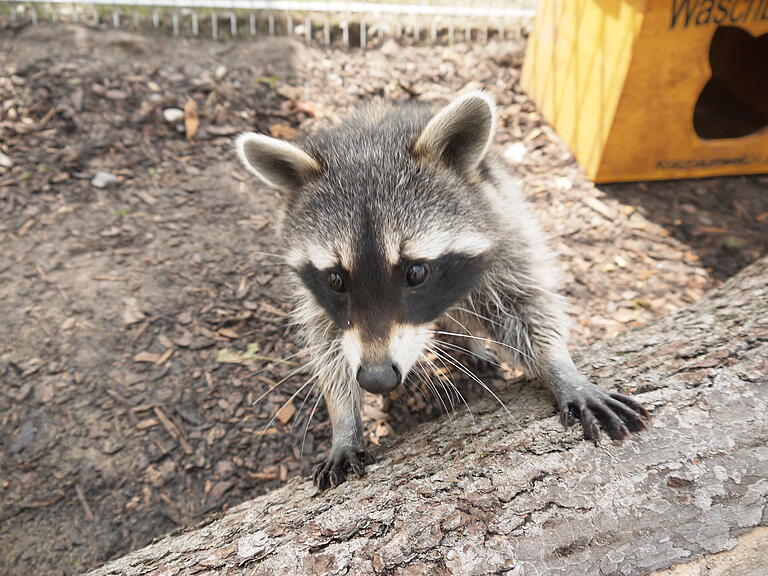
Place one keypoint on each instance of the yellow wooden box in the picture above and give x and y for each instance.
(654, 89)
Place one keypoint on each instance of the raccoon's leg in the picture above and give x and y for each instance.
(531, 327)
(343, 399)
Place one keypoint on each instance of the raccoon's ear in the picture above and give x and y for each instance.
(279, 164)
(461, 133)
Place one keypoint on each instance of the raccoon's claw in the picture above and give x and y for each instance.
(334, 470)
(615, 413)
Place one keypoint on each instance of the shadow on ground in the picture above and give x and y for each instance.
(723, 220)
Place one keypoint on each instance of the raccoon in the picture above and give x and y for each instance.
(401, 215)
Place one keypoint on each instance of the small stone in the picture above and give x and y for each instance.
(132, 312)
(220, 72)
(390, 48)
(515, 153)
(5, 161)
(173, 115)
(563, 184)
(116, 95)
(103, 179)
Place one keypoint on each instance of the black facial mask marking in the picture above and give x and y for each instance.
(375, 297)
(336, 304)
(451, 277)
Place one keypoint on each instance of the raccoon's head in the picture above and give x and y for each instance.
(385, 223)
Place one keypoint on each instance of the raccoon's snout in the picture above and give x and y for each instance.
(379, 378)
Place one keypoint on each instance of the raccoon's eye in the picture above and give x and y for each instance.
(416, 274)
(335, 281)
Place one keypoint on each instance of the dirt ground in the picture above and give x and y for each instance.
(141, 320)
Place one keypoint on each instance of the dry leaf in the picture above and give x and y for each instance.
(373, 408)
(308, 108)
(146, 357)
(286, 412)
(223, 130)
(600, 207)
(132, 313)
(380, 429)
(710, 230)
(262, 475)
(625, 315)
(164, 357)
(228, 333)
(191, 119)
(184, 340)
(218, 490)
(284, 131)
(288, 91)
(148, 423)
(229, 356)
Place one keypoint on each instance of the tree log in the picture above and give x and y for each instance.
(491, 494)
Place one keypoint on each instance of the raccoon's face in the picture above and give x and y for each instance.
(384, 225)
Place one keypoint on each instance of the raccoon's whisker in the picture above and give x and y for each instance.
(455, 388)
(306, 427)
(428, 372)
(284, 404)
(272, 364)
(420, 380)
(397, 391)
(440, 384)
(425, 379)
(433, 388)
(272, 254)
(441, 379)
(441, 354)
(280, 382)
(301, 408)
(503, 344)
(447, 382)
(445, 378)
(469, 373)
(291, 374)
(467, 330)
(272, 264)
(480, 316)
(501, 307)
(467, 350)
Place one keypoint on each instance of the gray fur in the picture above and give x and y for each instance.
(384, 177)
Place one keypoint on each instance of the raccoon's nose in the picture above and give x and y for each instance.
(379, 378)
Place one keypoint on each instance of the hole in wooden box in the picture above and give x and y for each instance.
(734, 102)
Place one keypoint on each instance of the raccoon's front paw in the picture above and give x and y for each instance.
(615, 413)
(334, 471)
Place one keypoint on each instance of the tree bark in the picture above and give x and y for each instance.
(489, 494)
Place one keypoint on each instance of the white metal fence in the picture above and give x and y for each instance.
(346, 23)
